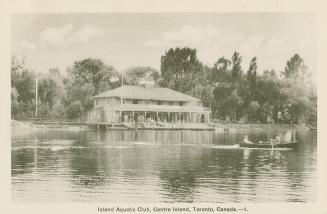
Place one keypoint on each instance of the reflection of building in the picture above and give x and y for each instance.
(147, 104)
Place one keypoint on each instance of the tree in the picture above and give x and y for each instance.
(296, 69)
(236, 99)
(50, 90)
(75, 110)
(269, 96)
(221, 71)
(134, 75)
(269, 74)
(297, 103)
(55, 72)
(297, 88)
(81, 94)
(233, 105)
(14, 102)
(236, 68)
(92, 71)
(25, 85)
(253, 110)
(180, 69)
(227, 77)
(249, 92)
(205, 93)
(23, 89)
(87, 78)
(252, 78)
(221, 79)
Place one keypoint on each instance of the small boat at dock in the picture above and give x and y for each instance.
(268, 145)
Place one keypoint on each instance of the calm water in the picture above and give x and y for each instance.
(159, 166)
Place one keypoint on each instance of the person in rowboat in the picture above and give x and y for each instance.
(275, 141)
(246, 140)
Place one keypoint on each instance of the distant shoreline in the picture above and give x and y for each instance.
(258, 126)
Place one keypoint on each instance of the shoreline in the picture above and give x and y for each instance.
(258, 126)
(29, 126)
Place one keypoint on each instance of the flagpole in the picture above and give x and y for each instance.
(36, 95)
(121, 98)
(121, 91)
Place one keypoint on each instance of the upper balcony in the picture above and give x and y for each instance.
(154, 108)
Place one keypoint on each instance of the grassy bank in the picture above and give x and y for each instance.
(29, 126)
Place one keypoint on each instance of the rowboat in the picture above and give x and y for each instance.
(267, 144)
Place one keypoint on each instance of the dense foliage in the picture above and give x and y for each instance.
(238, 96)
(233, 93)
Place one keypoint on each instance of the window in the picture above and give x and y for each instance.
(134, 101)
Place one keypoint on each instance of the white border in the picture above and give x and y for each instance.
(139, 6)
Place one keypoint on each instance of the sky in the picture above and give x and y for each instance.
(125, 40)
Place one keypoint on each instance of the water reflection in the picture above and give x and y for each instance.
(160, 166)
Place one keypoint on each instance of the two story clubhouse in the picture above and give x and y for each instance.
(147, 104)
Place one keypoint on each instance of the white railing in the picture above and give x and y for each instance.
(144, 107)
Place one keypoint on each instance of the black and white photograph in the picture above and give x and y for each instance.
(164, 108)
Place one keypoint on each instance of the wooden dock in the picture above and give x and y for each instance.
(125, 126)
